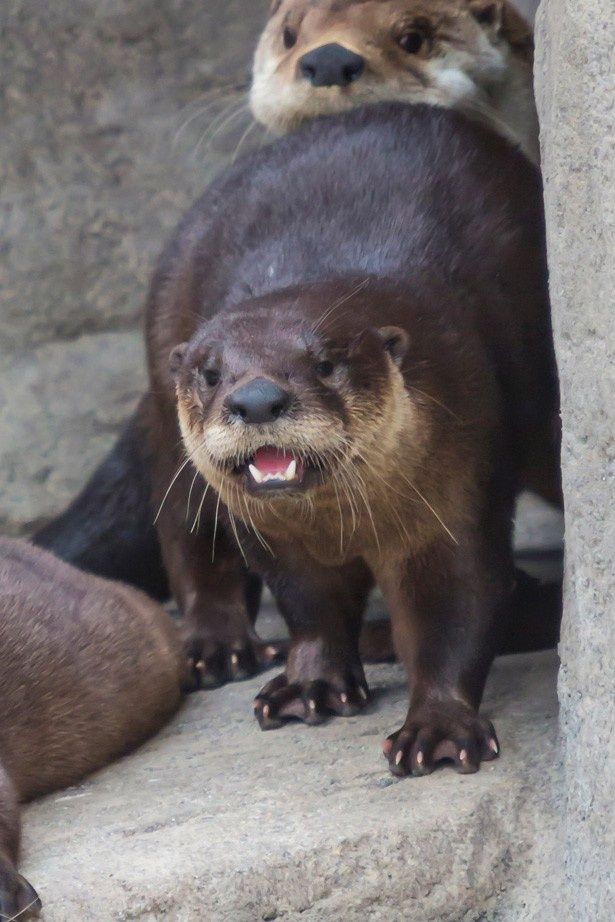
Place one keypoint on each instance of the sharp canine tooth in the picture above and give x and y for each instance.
(256, 474)
(291, 470)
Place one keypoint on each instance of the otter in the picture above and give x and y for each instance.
(109, 528)
(88, 670)
(329, 56)
(362, 370)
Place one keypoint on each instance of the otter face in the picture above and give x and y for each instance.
(321, 57)
(271, 405)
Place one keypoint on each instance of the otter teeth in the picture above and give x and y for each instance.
(289, 474)
(256, 474)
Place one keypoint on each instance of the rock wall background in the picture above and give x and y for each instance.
(575, 93)
(114, 114)
(109, 111)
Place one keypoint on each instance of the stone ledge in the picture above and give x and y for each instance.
(215, 820)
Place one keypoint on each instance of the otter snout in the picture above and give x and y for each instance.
(331, 65)
(259, 401)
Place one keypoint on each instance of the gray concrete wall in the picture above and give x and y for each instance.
(575, 87)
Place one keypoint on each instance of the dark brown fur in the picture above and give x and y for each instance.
(88, 670)
(402, 217)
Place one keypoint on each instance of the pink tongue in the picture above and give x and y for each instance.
(273, 460)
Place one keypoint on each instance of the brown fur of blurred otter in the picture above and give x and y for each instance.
(88, 670)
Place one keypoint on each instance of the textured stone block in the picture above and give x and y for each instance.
(215, 820)
(574, 74)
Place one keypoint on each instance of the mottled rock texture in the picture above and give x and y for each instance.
(216, 821)
(115, 113)
(575, 89)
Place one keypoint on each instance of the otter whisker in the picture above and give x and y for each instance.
(345, 481)
(235, 532)
(197, 520)
(431, 508)
(362, 491)
(218, 121)
(196, 474)
(21, 911)
(170, 487)
(437, 402)
(238, 112)
(244, 138)
(339, 506)
(213, 543)
(259, 536)
(336, 304)
(211, 104)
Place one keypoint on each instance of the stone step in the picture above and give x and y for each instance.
(215, 820)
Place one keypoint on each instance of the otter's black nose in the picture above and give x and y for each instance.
(258, 401)
(331, 65)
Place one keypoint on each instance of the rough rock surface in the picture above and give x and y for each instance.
(213, 820)
(114, 113)
(575, 87)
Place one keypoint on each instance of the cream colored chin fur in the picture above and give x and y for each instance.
(365, 461)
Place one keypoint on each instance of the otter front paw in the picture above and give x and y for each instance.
(441, 731)
(213, 661)
(315, 685)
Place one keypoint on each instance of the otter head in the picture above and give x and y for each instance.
(321, 57)
(279, 399)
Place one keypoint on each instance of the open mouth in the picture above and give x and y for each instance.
(271, 468)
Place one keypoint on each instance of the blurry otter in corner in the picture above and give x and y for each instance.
(88, 670)
(324, 57)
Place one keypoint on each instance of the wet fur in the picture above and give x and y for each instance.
(446, 243)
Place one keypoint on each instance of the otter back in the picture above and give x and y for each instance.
(88, 670)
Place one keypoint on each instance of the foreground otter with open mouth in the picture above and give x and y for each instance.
(365, 371)
(325, 57)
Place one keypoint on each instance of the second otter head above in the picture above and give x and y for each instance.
(321, 57)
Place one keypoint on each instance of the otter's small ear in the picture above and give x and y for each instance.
(502, 19)
(395, 342)
(488, 13)
(176, 358)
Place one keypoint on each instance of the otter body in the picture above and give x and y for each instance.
(88, 670)
(366, 373)
(470, 55)
(326, 57)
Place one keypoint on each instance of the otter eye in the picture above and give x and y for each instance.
(212, 377)
(289, 37)
(412, 42)
(325, 369)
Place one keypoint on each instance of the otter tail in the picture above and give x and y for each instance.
(108, 529)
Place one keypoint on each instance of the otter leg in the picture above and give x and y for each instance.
(17, 898)
(448, 612)
(323, 607)
(217, 597)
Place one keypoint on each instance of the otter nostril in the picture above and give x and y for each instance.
(308, 71)
(353, 71)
